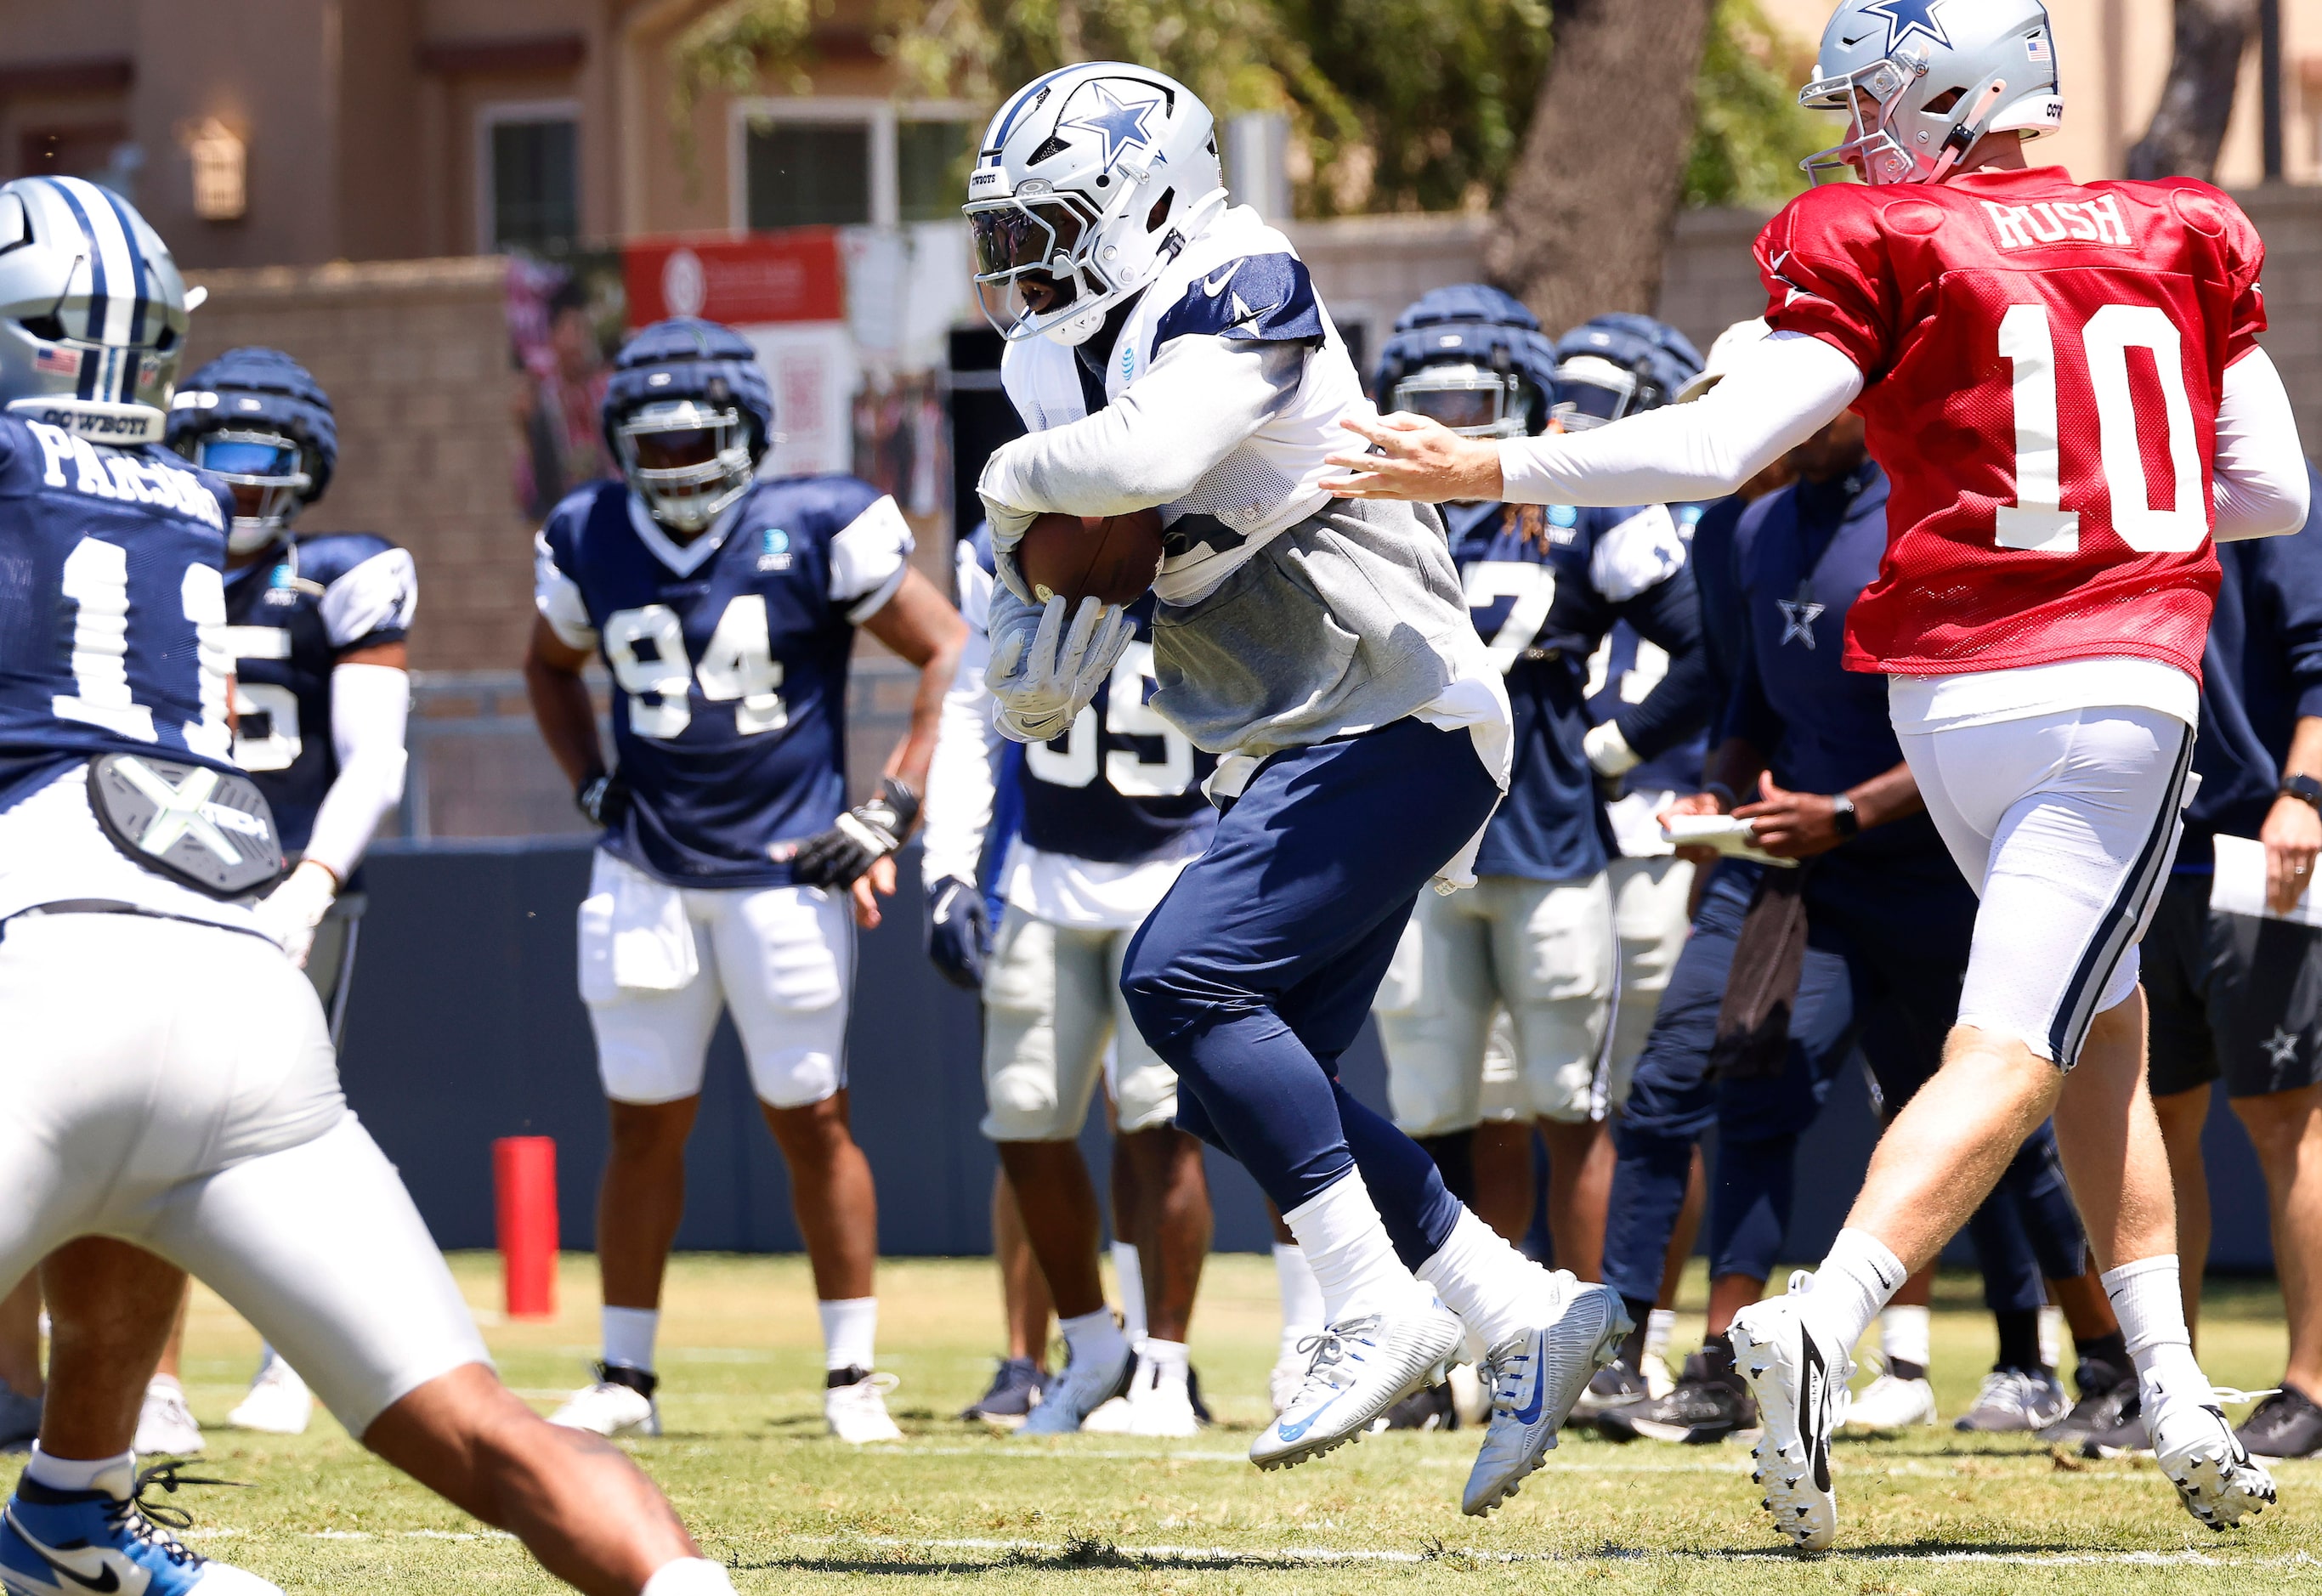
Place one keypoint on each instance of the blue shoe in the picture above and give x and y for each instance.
(74, 1543)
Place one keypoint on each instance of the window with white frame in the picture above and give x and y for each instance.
(809, 162)
(529, 176)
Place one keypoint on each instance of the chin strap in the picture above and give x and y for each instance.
(1963, 138)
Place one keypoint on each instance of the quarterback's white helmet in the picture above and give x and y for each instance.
(1089, 179)
(1925, 79)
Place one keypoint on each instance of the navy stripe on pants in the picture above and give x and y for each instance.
(1256, 971)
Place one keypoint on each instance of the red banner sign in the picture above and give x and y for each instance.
(788, 276)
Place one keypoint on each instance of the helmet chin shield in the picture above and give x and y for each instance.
(686, 460)
(1474, 401)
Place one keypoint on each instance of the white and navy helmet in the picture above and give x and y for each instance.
(1620, 364)
(93, 312)
(1088, 180)
(1925, 79)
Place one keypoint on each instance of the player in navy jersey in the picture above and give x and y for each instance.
(316, 624)
(1111, 812)
(173, 1100)
(726, 609)
(1537, 937)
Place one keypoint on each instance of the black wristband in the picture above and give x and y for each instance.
(2305, 789)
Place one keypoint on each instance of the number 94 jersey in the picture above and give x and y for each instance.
(112, 605)
(2043, 361)
(289, 618)
(729, 658)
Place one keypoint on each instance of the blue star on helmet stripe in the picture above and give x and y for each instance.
(1905, 17)
(1121, 122)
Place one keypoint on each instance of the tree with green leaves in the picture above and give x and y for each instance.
(1394, 105)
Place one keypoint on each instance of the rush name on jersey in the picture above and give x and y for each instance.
(1544, 586)
(2043, 361)
(112, 604)
(729, 658)
(289, 618)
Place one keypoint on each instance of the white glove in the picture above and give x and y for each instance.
(290, 913)
(1042, 674)
(1008, 525)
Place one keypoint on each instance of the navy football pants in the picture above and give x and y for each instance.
(1887, 948)
(1257, 970)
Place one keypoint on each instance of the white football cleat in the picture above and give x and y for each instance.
(1111, 1418)
(621, 1403)
(856, 1411)
(278, 1403)
(2195, 1445)
(165, 1425)
(1160, 1403)
(1357, 1369)
(1084, 1386)
(1536, 1377)
(1891, 1402)
(1655, 1371)
(1799, 1380)
(1289, 1371)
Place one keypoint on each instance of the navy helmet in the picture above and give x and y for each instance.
(1473, 359)
(259, 419)
(1620, 364)
(689, 416)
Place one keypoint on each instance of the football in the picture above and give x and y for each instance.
(1112, 558)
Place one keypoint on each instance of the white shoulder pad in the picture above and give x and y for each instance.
(1639, 553)
(868, 558)
(557, 598)
(380, 594)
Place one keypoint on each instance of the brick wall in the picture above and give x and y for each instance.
(415, 357)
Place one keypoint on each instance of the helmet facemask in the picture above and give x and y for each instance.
(1038, 244)
(1472, 400)
(1890, 140)
(267, 471)
(688, 461)
(1591, 390)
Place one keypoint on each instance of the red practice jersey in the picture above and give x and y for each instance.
(2041, 361)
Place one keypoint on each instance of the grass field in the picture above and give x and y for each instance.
(955, 1509)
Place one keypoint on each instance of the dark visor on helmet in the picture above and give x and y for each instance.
(1454, 407)
(247, 457)
(1589, 401)
(675, 447)
(1016, 237)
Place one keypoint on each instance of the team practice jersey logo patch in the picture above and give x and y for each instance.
(775, 550)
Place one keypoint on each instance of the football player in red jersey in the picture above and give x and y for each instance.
(2064, 382)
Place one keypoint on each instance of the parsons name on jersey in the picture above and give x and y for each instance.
(2041, 360)
(729, 657)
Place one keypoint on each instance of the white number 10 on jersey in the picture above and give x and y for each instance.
(2038, 520)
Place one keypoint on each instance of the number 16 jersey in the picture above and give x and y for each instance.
(729, 658)
(2041, 361)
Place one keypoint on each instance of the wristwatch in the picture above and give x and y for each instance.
(1844, 816)
(2305, 789)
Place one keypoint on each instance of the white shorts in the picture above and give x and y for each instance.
(658, 962)
(2066, 825)
(1543, 950)
(1650, 899)
(1051, 1002)
(173, 1085)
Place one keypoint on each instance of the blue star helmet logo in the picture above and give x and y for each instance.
(1906, 17)
(1121, 122)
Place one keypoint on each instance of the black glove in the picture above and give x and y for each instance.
(959, 933)
(604, 799)
(864, 836)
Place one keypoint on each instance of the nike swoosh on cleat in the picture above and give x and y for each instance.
(1297, 1432)
(110, 1582)
(1530, 1412)
(1817, 1392)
